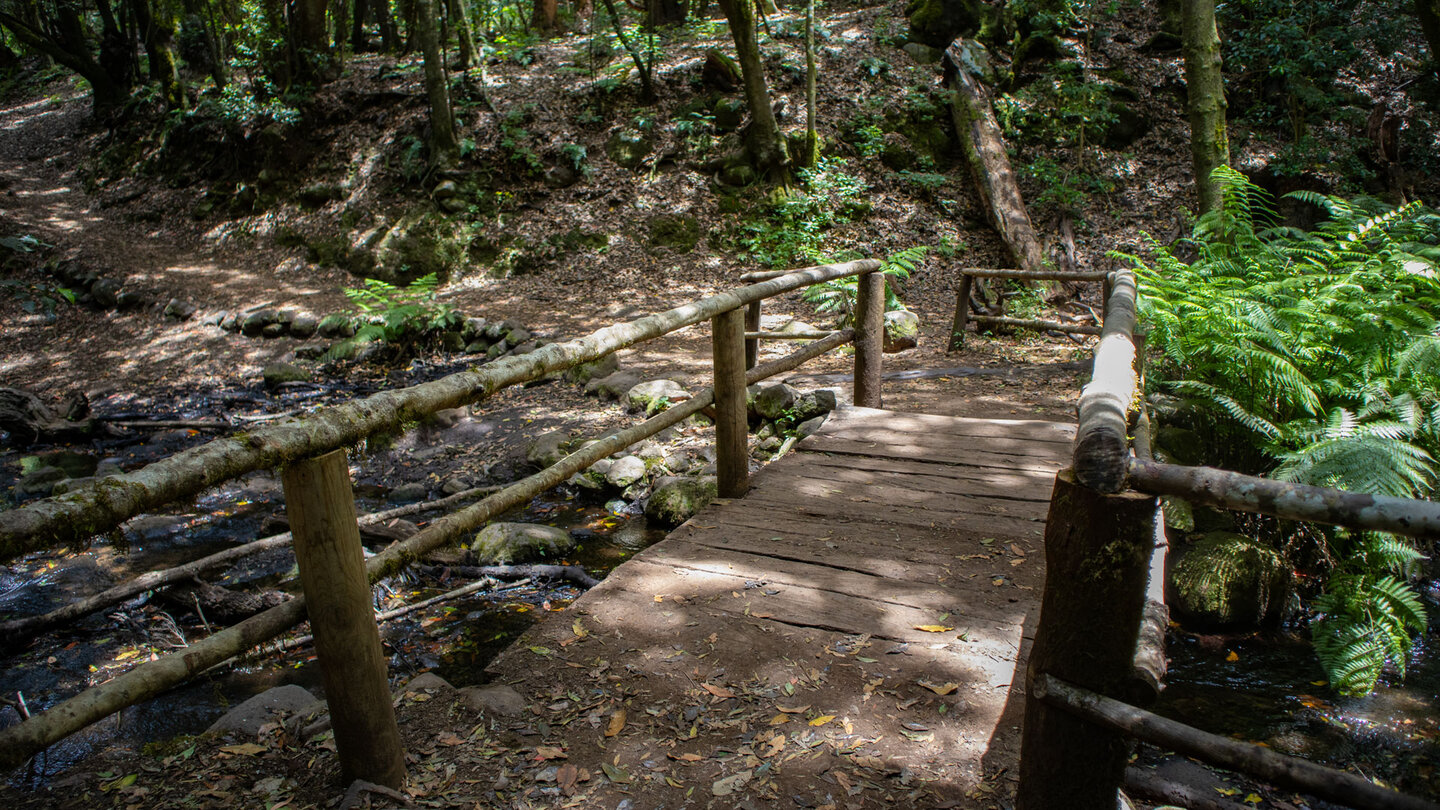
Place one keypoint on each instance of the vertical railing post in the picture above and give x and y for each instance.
(1097, 560)
(752, 345)
(321, 506)
(732, 452)
(962, 313)
(869, 338)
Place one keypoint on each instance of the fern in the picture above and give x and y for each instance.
(838, 297)
(399, 316)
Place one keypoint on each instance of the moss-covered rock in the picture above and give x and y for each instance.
(628, 148)
(938, 22)
(676, 232)
(902, 331)
(548, 448)
(677, 500)
(505, 543)
(276, 374)
(419, 245)
(720, 71)
(654, 396)
(596, 369)
(1226, 579)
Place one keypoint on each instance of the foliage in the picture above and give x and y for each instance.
(839, 295)
(1063, 107)
(1367, 615)
(397, 316)
(251, 104)
(33, 296)
(1313, 357)
(1063, 188)
(795, 230)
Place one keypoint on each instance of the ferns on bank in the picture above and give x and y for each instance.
(1313, 357)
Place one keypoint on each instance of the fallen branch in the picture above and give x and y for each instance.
(193, 424)
(405, 610)
(17, 631)
(1147, 785)
(569, 573)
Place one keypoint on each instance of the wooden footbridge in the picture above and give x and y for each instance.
(869, 623)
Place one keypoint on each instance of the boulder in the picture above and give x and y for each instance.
(266, 707)
(628, 148)
(548, 448)
(902, 331)
(276, 374)
(336, 325)
(654, 396)
(106, 292)
(1227, 579)
(729, 115)
(625, 471)
(937, 23)
(720, 71)
(595, 369)
(676, 500)
(409, 493)
(505, 543)
(613, 386)
(39, 482)
(775, 401)
(304, 325)
(809, 426)
(428, 682)
(179, 310)
(254, 323)
(922, 53)
(496, 699)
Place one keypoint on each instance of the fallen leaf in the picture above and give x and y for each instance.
(1233, 656)
(449, 739)
(940, 688)
(542, 651)
(822, 719)
(794, 709)
(615, 774)
(730, 784)
(774, 746)
(1016, 550)
(1253, 798)
(617, 722)
(780, 718)
(718, 691)
(566, 778)
(243, 749)
(1017, 561)
(545, 752)
(934, 628)
(687, 757)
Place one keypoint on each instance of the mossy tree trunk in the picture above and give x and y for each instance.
(812, 139)
(157, 31)
(463, 36)
(766, 144)
(1205, 102)
(310, 37)
(444, 148)
(58, 33)
(1429, 13)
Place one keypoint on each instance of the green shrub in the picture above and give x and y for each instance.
(397, 316)
(838, 297)
(796, 230)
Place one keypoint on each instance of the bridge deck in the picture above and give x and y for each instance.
(850, 633)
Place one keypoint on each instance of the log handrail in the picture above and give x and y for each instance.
(75, 517)
(1101, 443)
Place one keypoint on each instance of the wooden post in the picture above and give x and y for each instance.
(1097, 559)
(321, 507)
(869, 338)
(752, 345)
(962, 313)
(732, 452)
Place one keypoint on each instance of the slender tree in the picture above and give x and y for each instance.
(1429, 13)
(464, 38)
(764, 140)
(444, 148)
(812, 138)
(1205, 99)
(646, 69)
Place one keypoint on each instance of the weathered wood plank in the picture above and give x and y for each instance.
(959, 449)
(820, 443)
(861, 487)
(1026, 430)
(955, 478)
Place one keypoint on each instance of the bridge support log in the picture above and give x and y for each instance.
(752, 345)
(732, 451)
(1097, 560)
(321, 506)
(869, 338)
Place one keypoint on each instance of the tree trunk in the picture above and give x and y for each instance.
(311, 39)
(389, 33)
(812, 138)
(158, 34)
(444, 149)
(64, 41)
(461, 23)
(765, 142)
(1429, 13)
(340, 26)
(665, 12)
(1205, 99)
(647, 88)
(544, 14)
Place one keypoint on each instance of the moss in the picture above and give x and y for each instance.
(678, 233)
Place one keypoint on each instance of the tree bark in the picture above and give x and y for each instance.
(544, 14)
(665, 12)
(1102, 443)
(764, 139)
(158, 34)
(1429, 13)
(463, 37)
(311, 39)
(812, 138)
(108, 93)
(444, 148)
(1205, 100)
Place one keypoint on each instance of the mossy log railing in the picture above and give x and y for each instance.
(1098, 641)
(297, 444)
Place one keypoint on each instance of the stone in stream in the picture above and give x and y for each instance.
(409, 493)
(39, 482)
(548, 448)
(654, 396)
(625, 471)
(676, 500)
(506, 543)
(247, 718)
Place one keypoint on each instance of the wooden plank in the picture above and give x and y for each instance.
(855, 529)
(862, 487)
(1030, 430)
(960, 449)
(820, 443)
(1027, 486)
(925, 518)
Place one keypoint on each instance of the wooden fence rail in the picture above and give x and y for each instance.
(369, 751)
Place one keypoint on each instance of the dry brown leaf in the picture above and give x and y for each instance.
(617, 722)
(718, 691)
(566, 778)
(794, 709)
(940, 688)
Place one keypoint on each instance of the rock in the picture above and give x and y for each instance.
(452, 341)
(277, 373)
(291, 265)
(548, 448)
(428, 682)
(720, 71)
(773, 401)
(896, 152)
(275, 330)
(336, 325)
(318, 194)
(585, 372)
(493, 699)
(729, 115)
(654, 396)
(809, 426)
(39, 482)
(678, 499)
(738, 175)
(625, 471)
(477, 347)
(924, 54)
(106, 292)
(409, 493)
(495, 350)
(179, 310)
(446, 190)
(517, 336)
(613, 386)
(937, 23)
(1226, 578)
(1125, 127)
(902, 331)
(628, 148)
(561, 175)
(505, 543)
(266, 707)
(255, 323)
(456, 485)
(1180, 445)
(975, 58)
(304, 325)
(473, 328)
(678, 233)
(131, 299)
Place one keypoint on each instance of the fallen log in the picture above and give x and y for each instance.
(220, 604)
(1147, 785)
(29, 420)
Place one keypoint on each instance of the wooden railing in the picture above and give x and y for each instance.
(334, 575)
(1094, 641)
(963, 316)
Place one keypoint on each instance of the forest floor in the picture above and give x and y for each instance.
(148, 231)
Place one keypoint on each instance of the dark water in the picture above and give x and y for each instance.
(456, 639)
(1273, 692)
